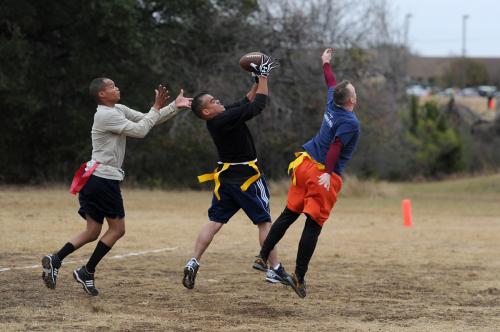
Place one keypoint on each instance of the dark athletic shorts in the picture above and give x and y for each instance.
(101, 198)
(254, 201)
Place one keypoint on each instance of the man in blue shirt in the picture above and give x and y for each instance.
(317, 172)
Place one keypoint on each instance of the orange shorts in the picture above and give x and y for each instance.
(308, 196)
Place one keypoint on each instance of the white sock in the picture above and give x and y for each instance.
(277, 266)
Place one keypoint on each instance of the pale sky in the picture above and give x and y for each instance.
(435, 27)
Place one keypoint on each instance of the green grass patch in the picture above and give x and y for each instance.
(487, 184)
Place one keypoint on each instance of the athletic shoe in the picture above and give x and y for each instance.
(190, 271)
(273, 277)
(86, 279)
(260, 264)
(50, 265)
(298, 287)
(280, 272)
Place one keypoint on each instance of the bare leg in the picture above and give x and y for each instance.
(204, 239)
(115, 231)
(90, 234)
(263, 231)
(205, 236)
(52, 263)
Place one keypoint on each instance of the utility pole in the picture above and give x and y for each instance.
(406, 48)
(464, 50)
(407, 29)
(464, 26)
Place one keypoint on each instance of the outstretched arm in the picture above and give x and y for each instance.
(236, 115)
(327, 70)
(262, 87)
(160, 101)
(260, 74)
(172, 109)
(252, 92)
(119, 123)
(249, 97)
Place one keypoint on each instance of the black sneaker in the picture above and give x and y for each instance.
(298, 287)
(50, 265)
(86, 279)
(260, 264)
(190, 271)
(283, 275)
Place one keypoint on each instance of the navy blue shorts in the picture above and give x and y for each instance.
(254, 201)
(101, 198)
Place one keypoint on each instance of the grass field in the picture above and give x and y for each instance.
(368, 272)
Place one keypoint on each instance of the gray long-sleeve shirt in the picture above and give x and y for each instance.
(111, 127)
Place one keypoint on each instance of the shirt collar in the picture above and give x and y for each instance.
(104, 107)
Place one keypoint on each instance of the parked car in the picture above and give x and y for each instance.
(486, 90)
(418, 90)
(447, 92)
(469, 92)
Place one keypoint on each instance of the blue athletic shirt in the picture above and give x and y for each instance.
(337, 122)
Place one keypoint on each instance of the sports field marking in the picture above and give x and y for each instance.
(122, 256)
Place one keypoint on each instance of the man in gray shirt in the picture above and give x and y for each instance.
(98, 180)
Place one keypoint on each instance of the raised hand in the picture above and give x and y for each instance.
(183, 102)
(327, 55)
(266, 65)
(161, 97)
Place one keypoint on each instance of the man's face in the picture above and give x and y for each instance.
(211, 106)
(110, 93)
(353, 98)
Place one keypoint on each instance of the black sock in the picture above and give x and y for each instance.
(100, 251)
(307, 245)
(67, 249)
(278, 229)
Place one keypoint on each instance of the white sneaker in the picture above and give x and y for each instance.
(272, 277)
(190, 271)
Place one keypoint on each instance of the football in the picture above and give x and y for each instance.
(251, 60)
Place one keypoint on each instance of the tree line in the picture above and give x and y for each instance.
(51, 50)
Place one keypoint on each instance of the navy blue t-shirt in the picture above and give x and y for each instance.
(337, 122)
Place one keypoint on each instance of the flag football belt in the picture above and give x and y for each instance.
(300, 158)
(216, 174)
(82, 175)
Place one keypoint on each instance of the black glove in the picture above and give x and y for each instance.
(266, 65)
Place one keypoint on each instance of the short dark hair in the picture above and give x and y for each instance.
(197, 104)
(96, 86)
(341, 94)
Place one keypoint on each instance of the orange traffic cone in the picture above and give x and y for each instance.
(407, 213)
(491, 103)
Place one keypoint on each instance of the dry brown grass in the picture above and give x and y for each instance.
(354, 187)
(477, 104)
(368, 272)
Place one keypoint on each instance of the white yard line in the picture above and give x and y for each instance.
(122, 256)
